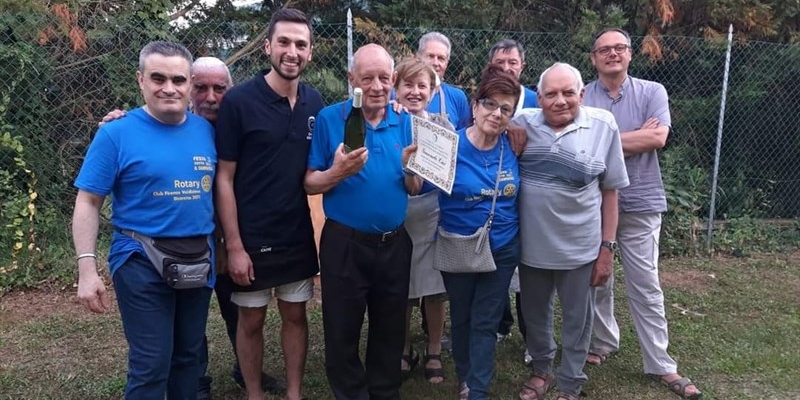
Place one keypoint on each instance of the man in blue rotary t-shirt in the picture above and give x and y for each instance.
(365, 252)
(158, 165)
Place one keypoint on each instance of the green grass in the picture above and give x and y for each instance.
(734, 326)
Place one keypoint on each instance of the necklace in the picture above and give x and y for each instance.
(486, 157)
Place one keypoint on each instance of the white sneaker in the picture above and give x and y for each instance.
(527, 359)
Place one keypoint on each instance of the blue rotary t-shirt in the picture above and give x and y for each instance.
(468, 206)
(374, 200)
(159, 177)
(457, 105)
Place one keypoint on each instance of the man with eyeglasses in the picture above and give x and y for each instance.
(570, 173)
(641, 109)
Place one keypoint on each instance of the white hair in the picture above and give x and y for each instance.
(578, 79)
(211, 63)
(436, 37)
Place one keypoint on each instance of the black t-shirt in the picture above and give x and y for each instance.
(269, 141)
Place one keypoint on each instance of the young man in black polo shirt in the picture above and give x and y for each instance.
(263, 135)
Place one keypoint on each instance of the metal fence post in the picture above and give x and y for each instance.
(712, 207)
(349, 48)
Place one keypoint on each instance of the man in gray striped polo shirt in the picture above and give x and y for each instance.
(570, 172)
(641, 110)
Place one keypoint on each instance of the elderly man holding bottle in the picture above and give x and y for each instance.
(365, 252)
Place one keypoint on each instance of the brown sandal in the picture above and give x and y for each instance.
(463, 391)
(567, 396)
(601, 358)
(678, 386)
(530, 392)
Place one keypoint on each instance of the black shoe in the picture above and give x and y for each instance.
(204, 388)
(268, 383)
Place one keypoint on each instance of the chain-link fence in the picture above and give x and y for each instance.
(54, 94)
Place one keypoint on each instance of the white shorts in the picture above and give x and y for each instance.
(295, 292)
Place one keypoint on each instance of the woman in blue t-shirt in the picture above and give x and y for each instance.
(477, 299)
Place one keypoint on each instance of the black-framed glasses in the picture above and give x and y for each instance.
(491, 105)
(606, 50)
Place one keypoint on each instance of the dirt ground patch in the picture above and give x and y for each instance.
(692, 280)
(27, 305)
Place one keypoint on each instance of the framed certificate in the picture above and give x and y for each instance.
(436, 155)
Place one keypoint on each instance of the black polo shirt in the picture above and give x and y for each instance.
(269, 141)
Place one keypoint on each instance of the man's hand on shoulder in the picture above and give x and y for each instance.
(518, 138)
(397, 107)
(112, 115)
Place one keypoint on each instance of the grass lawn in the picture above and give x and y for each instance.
(734, 327)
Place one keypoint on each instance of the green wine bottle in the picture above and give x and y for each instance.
(354, 125)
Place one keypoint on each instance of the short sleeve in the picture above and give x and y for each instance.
(100, 166)
(658, 106)
(320, 155)
(228, 129)
(464, 110)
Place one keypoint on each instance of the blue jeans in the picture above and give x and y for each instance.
(476, 306)
(164, 328)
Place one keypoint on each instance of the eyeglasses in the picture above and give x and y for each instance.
(618, 48)
(491, 105)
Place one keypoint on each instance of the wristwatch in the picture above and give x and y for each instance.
(610, 244)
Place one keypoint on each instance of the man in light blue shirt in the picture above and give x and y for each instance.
(641, 109)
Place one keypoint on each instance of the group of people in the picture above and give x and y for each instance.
(233, 175)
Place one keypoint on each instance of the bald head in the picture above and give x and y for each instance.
(372, 53)
(210, 80)
(373, 72)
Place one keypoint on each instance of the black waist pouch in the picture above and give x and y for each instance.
(184, 263)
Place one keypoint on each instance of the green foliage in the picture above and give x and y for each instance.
(329, 84)
(746, 235)
(687, 189)
(53, 91)
(430, 14)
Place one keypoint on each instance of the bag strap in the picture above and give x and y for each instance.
(442, 105)
(496, 185)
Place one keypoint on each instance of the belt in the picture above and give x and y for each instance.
(384, 237)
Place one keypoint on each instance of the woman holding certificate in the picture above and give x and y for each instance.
(415, 82)
(484, 196)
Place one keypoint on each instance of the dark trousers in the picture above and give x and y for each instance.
(476, 304)
(508, 319)
(230, 314)
(358, 276)
(164, 328)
